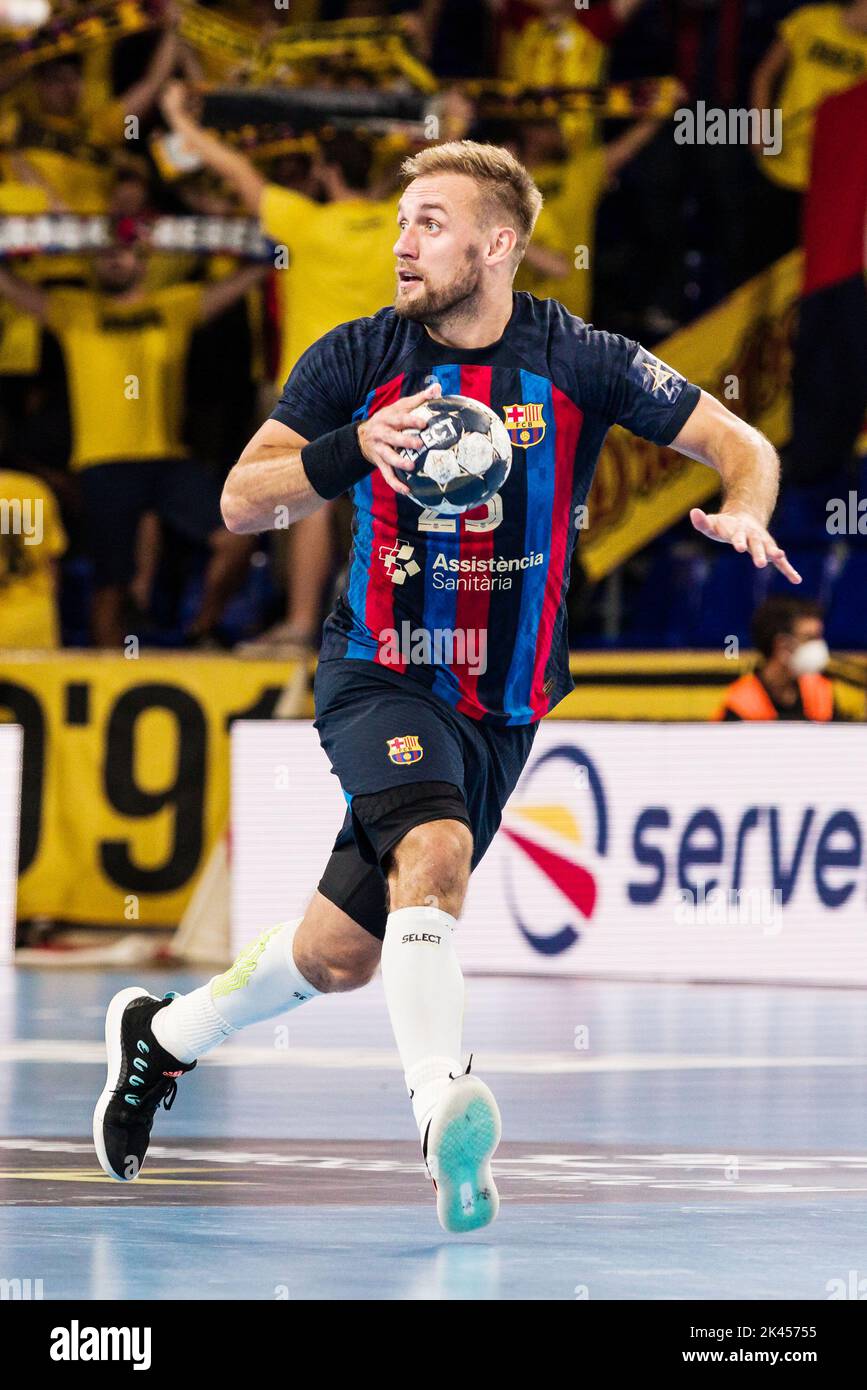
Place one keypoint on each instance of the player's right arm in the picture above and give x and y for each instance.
(269, 476)
(281, 476)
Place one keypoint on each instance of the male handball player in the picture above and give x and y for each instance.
(428, 754)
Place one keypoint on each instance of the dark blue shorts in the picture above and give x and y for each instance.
(183, 492)
(387, 734)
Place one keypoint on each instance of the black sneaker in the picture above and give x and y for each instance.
(140, 1076)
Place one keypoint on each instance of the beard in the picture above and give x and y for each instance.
(446, 303)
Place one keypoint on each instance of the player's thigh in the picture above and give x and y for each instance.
(395, 750)
(494, 760)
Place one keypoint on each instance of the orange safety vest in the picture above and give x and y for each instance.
(748, 699)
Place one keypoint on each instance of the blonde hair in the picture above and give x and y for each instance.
(504, 185)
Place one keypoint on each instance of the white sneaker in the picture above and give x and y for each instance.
(461, 1136)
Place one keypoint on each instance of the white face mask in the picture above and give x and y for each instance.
(810, 657)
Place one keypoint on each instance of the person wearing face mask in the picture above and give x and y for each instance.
(789, 684)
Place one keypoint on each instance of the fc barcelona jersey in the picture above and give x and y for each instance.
(473, 606)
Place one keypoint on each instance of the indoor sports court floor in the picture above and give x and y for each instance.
(708, 1143)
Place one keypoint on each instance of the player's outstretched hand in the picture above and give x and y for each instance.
(396, 427)
(745, 533)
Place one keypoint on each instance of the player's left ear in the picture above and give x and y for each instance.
(501, 245)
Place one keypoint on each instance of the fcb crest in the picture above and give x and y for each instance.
(407, 749)
(525, 424)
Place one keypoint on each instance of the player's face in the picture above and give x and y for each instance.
(440, 247)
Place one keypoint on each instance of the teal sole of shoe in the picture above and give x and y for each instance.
(466, 1195)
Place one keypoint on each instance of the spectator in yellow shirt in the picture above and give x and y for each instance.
(560, 260)
(125, 351)
(335, 258)
(335, 262)
(820, 49)
(19, 334)
(32, 539)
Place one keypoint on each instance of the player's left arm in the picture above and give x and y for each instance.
(749, 468)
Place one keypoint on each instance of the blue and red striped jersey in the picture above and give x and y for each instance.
(474, 606)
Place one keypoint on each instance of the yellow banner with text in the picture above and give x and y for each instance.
(126, 776)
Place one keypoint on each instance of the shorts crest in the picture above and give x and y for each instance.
(406, 749)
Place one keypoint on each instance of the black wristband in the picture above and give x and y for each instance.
(334, 462)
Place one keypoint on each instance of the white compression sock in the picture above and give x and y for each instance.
(263, 982)
(424, 992)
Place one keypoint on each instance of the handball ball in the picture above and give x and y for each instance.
(466, 457)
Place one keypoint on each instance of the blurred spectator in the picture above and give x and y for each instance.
(19, 333)
(318, 288)
(572, 183)
(788, 634)
(61, 128)
(32, 539)
(820, 49)
(336, 263)
(125, 350)
(569, 47)
(130, 194)
(566, 47)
